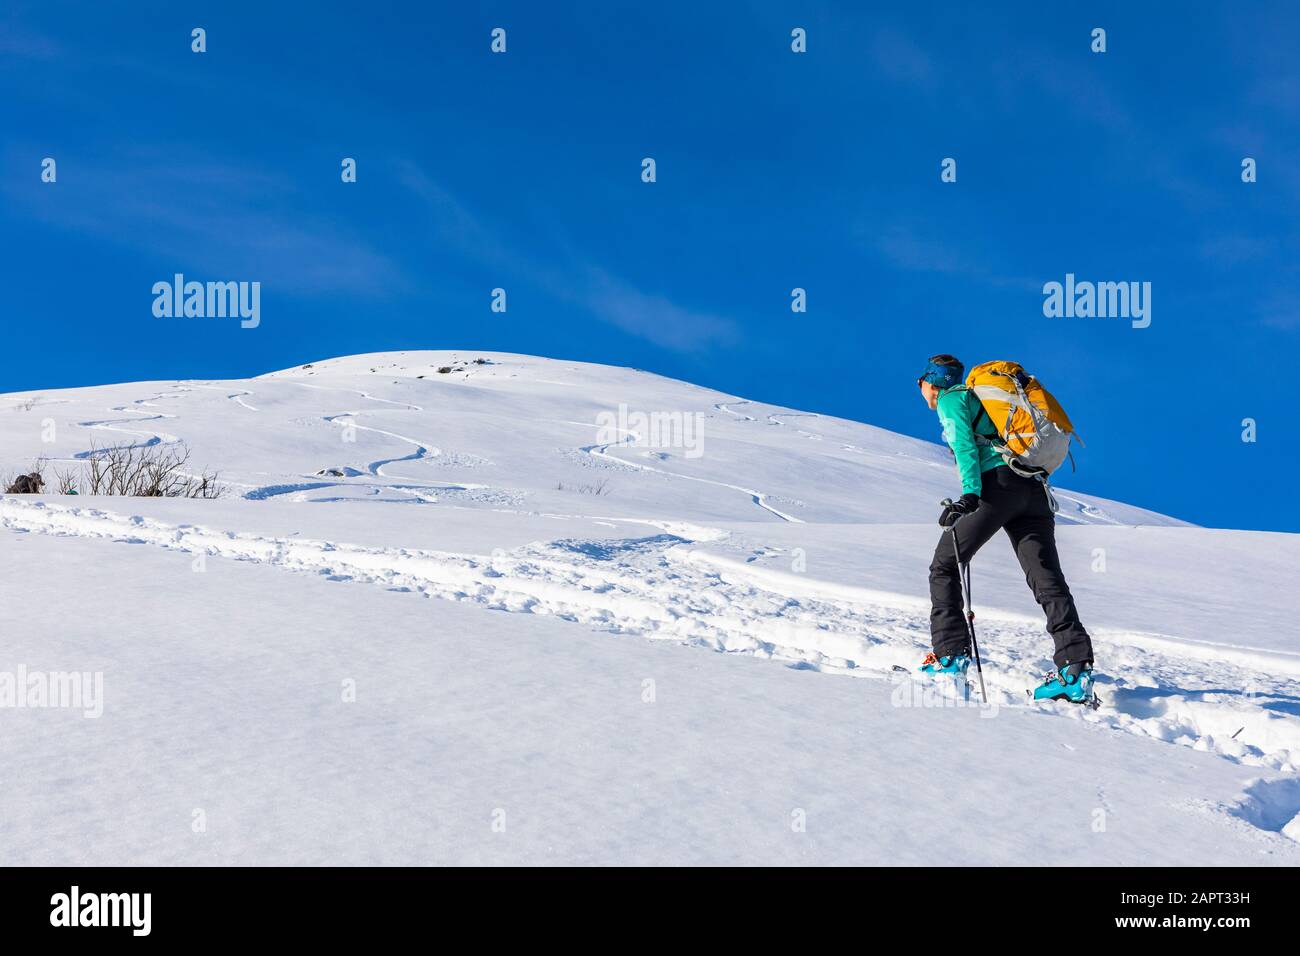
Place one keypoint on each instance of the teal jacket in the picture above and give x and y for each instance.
(963, 417)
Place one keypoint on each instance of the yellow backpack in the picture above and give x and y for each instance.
(1033, 427)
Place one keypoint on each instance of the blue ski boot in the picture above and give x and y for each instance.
(950, 667)
(954, 664)
(1073, 683)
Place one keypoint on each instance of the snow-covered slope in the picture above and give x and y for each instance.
(535, 487)
(517, 432)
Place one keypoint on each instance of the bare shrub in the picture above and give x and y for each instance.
(65, 482)
(598, 488)
(143, 471)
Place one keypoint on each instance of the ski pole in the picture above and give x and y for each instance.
(964, 570)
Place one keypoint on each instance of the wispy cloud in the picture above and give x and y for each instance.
(1086, 94)
(571, 277)
(21, 43)
(1280, 309)
(653, 317)
(902, 60)
(1235, 249)
(228, 218)
(907, 248)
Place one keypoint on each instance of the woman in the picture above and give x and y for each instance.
(995, 497)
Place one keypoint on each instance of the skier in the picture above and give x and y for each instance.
(995, 497)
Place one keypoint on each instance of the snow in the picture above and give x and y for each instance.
(524, 607)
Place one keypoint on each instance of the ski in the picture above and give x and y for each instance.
(1093, 701)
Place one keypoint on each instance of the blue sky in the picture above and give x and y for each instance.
(775, 170)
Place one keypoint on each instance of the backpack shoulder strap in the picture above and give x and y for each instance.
(981, 417)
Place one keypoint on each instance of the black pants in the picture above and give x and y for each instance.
(1019, 506)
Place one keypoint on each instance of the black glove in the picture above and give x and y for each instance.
(962, 506)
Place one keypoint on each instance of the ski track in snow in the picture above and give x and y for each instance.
(775, 419)
(376, 468)
(355, 391)
(417, 490)
(725, 407)
(151, 437)
(658, 586)
(1091, 514)
(759, 498)
(237, 397)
